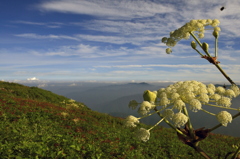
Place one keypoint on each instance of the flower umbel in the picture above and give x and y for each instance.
(195, 27)
(179, 119)
(143, 134)
(145, 108)
(224, 117)
(131, 121)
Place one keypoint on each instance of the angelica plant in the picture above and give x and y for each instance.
(174, 102)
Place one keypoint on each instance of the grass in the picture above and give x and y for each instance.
(36, 123)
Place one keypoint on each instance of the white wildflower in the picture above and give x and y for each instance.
(131, 121)
(179, 119)
(224, 101)
(195, 105)
(179, 104)
(224, 117)
(145, 108)
(143, 134)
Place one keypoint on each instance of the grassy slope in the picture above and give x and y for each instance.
(36, 124)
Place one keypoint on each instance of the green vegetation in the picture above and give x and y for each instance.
(37, 124)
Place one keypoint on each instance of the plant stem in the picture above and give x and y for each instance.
(236, 153)
(172, 126)
(221, 107)
(219, 68)
(201, 152)
(156, 124)
(189, 123)
(216, 47)
(224, 74)
(199, 43)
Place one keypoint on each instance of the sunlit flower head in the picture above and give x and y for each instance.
(179, 104)
(143, 134)
(211, 86)
(164, 101)
(220, 90)
(168, 113)
(229, 93)
(131, 121)
(195, 105)
(236, 90)
(203, 98)
(224, 117)
(215, 97)
(224, 101)
(145, 108)
(194, 26)
(179, 119)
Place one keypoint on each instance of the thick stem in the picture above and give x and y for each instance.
(236, 153)
(224, 74)
(189, 123)
(201, 152)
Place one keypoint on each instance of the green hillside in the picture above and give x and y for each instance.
(36, 123)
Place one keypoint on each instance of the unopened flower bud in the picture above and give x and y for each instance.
(168, 50)
(215, 34)
(164, 40)
(205, 46)
(149, 96)
(194, 45)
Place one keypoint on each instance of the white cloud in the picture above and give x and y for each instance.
(51, 36)
(115, 9)
(33, 79)
(45, 24)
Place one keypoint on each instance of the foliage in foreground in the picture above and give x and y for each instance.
(37, 124)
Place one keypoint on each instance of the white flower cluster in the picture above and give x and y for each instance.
(191, 27)
(195, 94)
(192, 94)
(224, 117)
(143, 134)
(145, 108)
(131, 121)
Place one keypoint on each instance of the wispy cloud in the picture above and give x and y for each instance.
(108, 9)
(51, 36)
(45, 24)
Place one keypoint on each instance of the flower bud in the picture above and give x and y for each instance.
(149, 96)
(205, 46)
(164, 40)
(215, 34)
(168, 50)
(194, 45)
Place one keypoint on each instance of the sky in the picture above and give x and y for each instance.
(113, 40)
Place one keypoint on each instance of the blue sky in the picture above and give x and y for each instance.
(112, 40)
